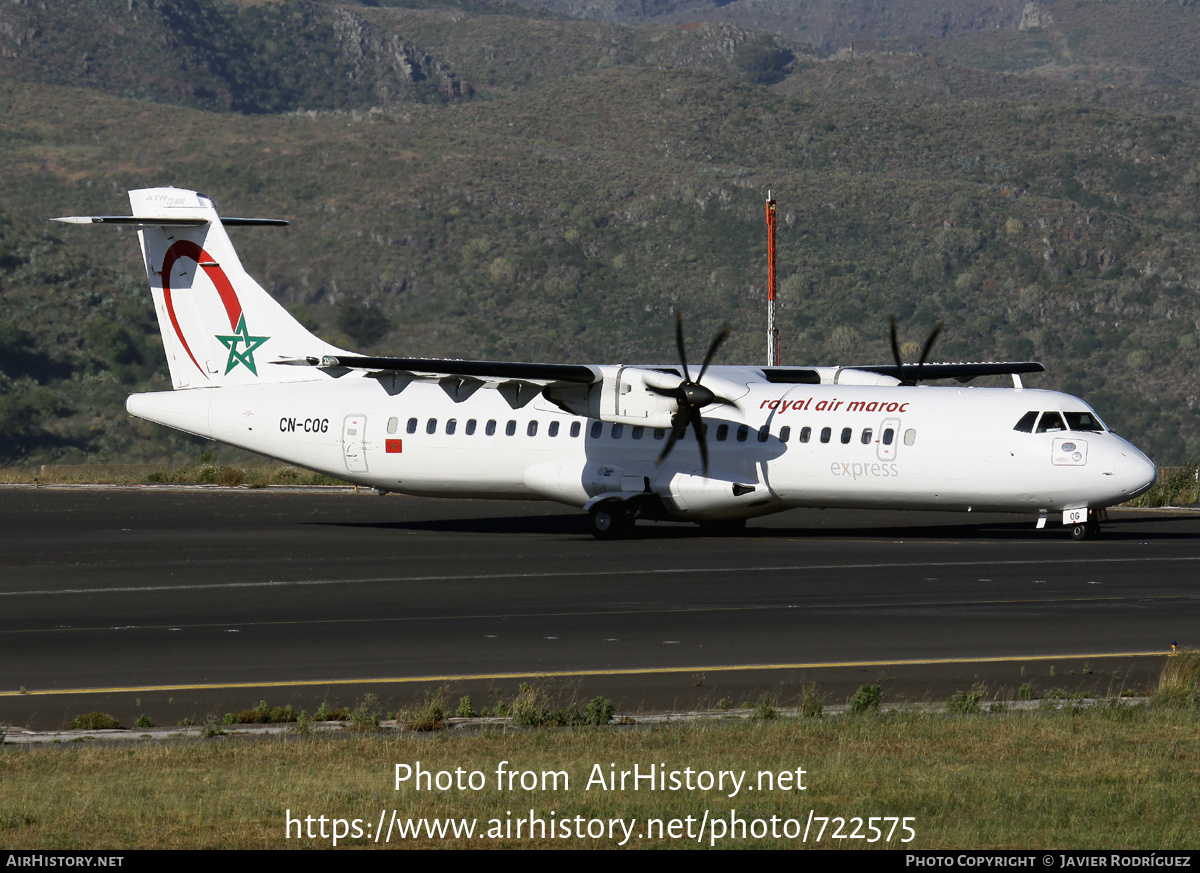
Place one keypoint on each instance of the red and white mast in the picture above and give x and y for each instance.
(772, 331)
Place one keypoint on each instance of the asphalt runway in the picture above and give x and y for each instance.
(188, 603)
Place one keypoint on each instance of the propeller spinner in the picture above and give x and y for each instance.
(691, 395)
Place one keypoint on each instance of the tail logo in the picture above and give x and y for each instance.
(246, 356)
(240, 343)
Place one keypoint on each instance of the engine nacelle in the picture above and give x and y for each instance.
(622, 397)
(701, 496)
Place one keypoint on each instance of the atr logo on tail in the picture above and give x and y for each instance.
(233, 308)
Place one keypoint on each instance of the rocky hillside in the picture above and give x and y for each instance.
(1034, 188)
(218, 56)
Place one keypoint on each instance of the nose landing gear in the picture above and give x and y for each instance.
(1089, 529)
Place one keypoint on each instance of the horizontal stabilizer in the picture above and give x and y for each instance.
(163, 221)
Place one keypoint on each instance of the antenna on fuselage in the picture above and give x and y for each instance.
(772, 331)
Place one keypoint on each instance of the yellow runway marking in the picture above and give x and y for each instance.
(571, 674)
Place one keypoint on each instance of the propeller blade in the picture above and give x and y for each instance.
(678, 429)
(712, 349)
(690, 396)
(928, 345)
(896, 352)
(679, 344)
(700, 429)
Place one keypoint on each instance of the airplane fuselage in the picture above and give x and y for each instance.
(782, 446)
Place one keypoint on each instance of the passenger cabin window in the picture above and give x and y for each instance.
(1083, 421)
(597, 429)
(617, 430)
(826, 434)
(659, 433)
(510, 429)
(412, 425)
(554, 428)
(638, 430)
(393, 424)
(532, 429)
(910, 437)
(763, 433)
(785, 433)
(805, 434)
(574, 428)
(490, 430)
(742, 432)
(1051, 422)
(1025, 425)
(847, 432)
(431, 426)
(722, 432)
(889, 434)
(866, 437)
(451, 425)
(470, 426)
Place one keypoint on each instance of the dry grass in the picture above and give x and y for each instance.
(1109, 777)
(1179, 684)
(205, 472)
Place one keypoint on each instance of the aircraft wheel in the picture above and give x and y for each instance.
(1083, 532)
(610, 520)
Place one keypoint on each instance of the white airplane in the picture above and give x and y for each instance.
(612, 439)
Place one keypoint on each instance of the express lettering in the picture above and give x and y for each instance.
(878, 471)
(781, 406)
(308, 425)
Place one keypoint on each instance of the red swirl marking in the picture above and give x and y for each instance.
(233, 307)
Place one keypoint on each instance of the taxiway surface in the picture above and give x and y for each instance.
(208, 597)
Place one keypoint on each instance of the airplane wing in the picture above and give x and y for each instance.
(963, 372)
(548, 373)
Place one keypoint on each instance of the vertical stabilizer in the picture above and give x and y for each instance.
(219, 327)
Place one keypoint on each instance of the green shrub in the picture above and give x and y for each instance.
(429, 716)
(1025, 692)
(966, 702)
(764, 711)
(812, 703)
(866, 699)
(365, 716)
(95, 721)
(465, 709)
(211, 728)
(599, 711)
(143, 721)
(531, 708)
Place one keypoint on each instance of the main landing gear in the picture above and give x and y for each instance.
(611, 520)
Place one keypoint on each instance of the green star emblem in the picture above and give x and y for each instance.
(246, 355)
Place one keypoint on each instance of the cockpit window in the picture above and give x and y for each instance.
(1051, 422)
(1084, 421)
(1025, 425)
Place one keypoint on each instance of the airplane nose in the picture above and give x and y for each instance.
(1135, 473)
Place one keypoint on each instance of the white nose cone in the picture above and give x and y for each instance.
(1135, 473)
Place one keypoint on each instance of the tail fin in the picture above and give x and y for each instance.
(219, 327)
